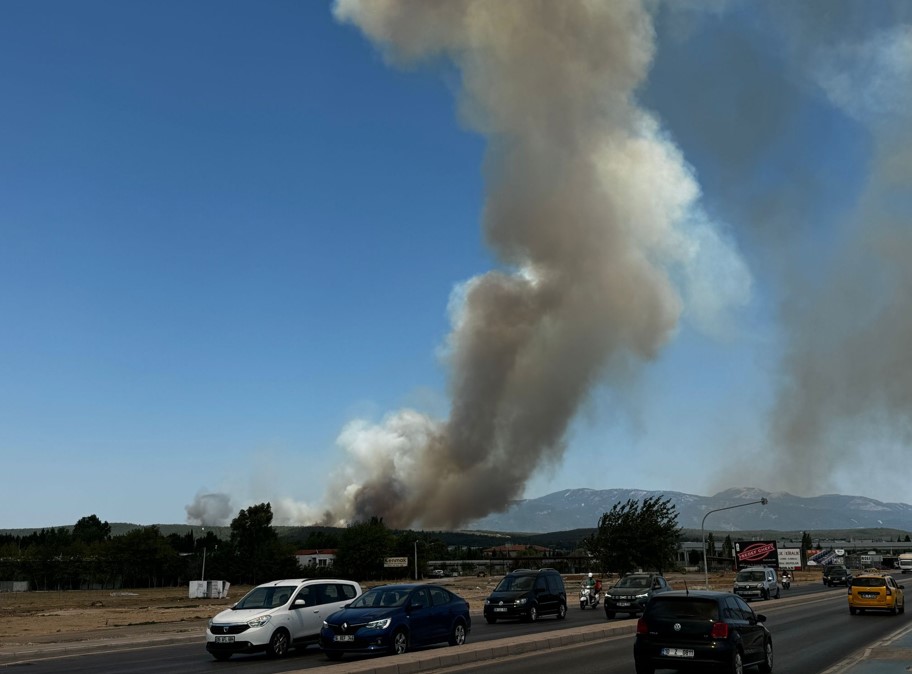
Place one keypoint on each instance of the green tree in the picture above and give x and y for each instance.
(258, 555)
(710, 545)
(636, 535)
(728, 548)
(362, 549)
(90, 530)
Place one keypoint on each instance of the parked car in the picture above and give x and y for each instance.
(700, 631)
(396, 618)
(630, 593)
(878, 592)
(276, 616)
(527, 594)
(757, 582)
(836, 574)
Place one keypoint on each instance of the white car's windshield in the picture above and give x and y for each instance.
(265, 597)
(751, 577)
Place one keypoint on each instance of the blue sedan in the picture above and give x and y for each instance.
(396, 618)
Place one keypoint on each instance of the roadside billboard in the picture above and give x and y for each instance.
(789, 558)
(756, 553)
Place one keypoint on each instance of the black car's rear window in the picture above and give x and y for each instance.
(869, 582)
(688, 608)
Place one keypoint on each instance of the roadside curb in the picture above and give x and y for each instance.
(426, 660)
(408, 663)
(44, 651)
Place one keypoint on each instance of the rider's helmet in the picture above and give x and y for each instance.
(590, 574)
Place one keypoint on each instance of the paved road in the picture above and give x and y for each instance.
(811, 627)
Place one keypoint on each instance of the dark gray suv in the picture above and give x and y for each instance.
(527, 594)
(630, 593)
(836, 574)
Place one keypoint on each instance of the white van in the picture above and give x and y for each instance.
(277, 616)
(756, 582)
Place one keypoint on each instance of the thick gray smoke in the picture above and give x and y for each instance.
(597, 220)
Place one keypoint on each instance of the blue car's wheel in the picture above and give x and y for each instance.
(400, 643)
(458, 635)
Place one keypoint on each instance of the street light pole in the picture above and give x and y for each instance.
(762, 501)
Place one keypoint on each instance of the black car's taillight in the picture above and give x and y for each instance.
(719, 631)
(642, 627)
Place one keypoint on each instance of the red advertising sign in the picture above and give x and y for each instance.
(756, 553)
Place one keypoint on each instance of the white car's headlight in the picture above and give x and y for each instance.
(259, 621)
(381, 624)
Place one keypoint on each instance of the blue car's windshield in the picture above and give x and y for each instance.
(381, 598)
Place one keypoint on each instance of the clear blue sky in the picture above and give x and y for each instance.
(232, 232)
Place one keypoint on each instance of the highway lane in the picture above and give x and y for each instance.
(793, 621)
(808, 638)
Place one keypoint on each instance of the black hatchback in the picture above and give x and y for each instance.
(701, 630)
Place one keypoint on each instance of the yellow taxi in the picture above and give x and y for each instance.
(875, 591)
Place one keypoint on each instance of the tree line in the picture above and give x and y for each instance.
(87, 556)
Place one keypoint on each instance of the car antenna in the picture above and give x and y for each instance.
(686, 589)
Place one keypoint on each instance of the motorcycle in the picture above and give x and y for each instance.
(589, 598)
(786, 581)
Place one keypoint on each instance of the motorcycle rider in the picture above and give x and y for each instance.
(786, 579)
(594, 586)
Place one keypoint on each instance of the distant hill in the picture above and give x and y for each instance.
(581, 509)
(563, 517)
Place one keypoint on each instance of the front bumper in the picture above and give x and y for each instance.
(625, 604)
(507, 612)
(364, 642)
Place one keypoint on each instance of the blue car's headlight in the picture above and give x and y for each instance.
(381, 624)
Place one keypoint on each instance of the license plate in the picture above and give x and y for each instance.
(678, 652)
(868, 595)
(224, 640)
(344, 637)
(500, 610)
(623, 603)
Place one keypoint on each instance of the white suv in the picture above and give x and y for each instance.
(278, 615)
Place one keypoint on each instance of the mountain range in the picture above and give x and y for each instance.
(582, 508)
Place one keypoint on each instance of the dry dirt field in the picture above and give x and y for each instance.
(68, 616)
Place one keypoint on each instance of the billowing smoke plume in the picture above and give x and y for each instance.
(597, 221)
(212, 509)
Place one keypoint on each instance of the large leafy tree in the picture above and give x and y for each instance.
(362, 549)
(90, 529)
(636, 534)
(258, 555)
